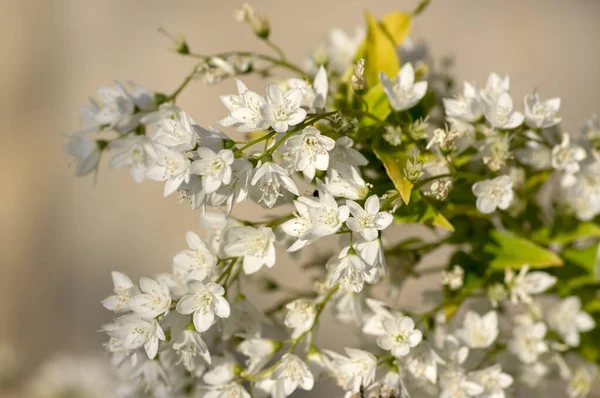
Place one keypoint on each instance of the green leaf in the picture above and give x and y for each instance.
(391, 162)
(510, 251)
(378, 105)
(565, 236)
(397, 26)
(585, 258)
(421, 212)
(380, 52)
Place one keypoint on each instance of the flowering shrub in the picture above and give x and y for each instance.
(365, 139)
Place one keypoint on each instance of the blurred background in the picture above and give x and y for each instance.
(60, 236)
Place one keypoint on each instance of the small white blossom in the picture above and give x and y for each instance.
(177, 133)
(326, 215)
(230, 390)
(205, 301)
(346, 182)
(522, 285)
(400, 336)
(541, 114)
(528, 342)
(255, 245)
(342, 48)
(404, 93)
(85, 150)
(566, 158)
(582, 380)
(283, 110)
(215, 168)
(495, 86)
(310, 150)
(493, 381)
(258, 351)
(268, 181)
(454, 278)
(492, 194)
(124, 290)
(479, 331)
(135, 332)
(245, 109)
(499, 113)
(172, 167)
(135, 152)
(567, 319)
(188, 346)
(349, 270)
(455, 384)
(468, 106)
(292, 373)
(373, 323)
(355, 370)
(370, 220)
(154, 301)
(300, 316)
(198, 262)
(344, 154)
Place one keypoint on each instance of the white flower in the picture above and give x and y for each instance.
(290, 374)
(268, 180)
(117, 110)
(492, 194)
(258, 351)
(230, 390)
(85, 150)
(467, 107)
(204, 302)
(400, 336)
(342, 48)
(326, 215)
(373, 323)
(300, 316)
(310, 150)
(196, 263)
(524, 284)
(422, 363)
(349, 270)
(135, 332)
(404, 93)
(479, 331)
(566, 158)
(499, 112)
(493, 381)
(454, 384)
(300, 227)
(370, 220)
(567, 319)
(313, 97)
(188, 347)
(222, 370)
(346, 182)
(255, 245)
(135, 152)
(177, 133)
(495, 86)
(245, 109)
(355, 370)
(344, 154)
(541, 114)
(528, 342)
(454, 278)
(582, 380)
(154, 301)
(283, 110)
(172, 167)
(123, 291)
(215, 168)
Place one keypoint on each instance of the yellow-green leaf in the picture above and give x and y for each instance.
(397, 25)
(586, 258)
(391, 162)
(378, 105)
(584, 230)
(510, 251)
(380, 52)
(422, 212)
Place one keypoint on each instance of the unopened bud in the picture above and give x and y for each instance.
(358, 80)
(178, 43)
(259, 23)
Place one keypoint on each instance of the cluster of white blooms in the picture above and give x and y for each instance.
(344, 151)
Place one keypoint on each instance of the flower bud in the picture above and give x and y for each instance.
(259, 23)
(358, 80)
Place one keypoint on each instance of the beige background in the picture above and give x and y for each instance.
(61, 236)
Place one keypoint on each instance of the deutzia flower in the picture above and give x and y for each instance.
(268, 180)
(300, 316)
(135, 152)
(493, 381)
(525, 283)
(346, 182)
(342, 48)
(283, 110)
(355, 370)
(495, 86)
(188, 346)
(258, 351)
(310, 150)
(370, 220)
(492, 194)
(479, 331)
(467, 107)
(567, 319)
(455, 384)
(349, 270)
(454, 278)
(373, 323)
(134, 332)
(204, 302)
(229, 390)
(313, 97)
(541, 114)
(177, 133)
(85, 150)
(566, 158)
(155, 299)
(344, 154)
(255, 245)
(400, 336)
(245, 109)
(196, 263)
(528, 342)
(299, 227)
(326, 215)
(582, 380)
(404, 93)
(290, 374)
(172, 167)
(499, 113)
(117, 110)
(215, 168)
(124, 289)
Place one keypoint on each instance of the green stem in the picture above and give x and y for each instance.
(183, 84)
(282, 63)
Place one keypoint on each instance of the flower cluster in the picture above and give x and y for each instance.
(365, 136)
